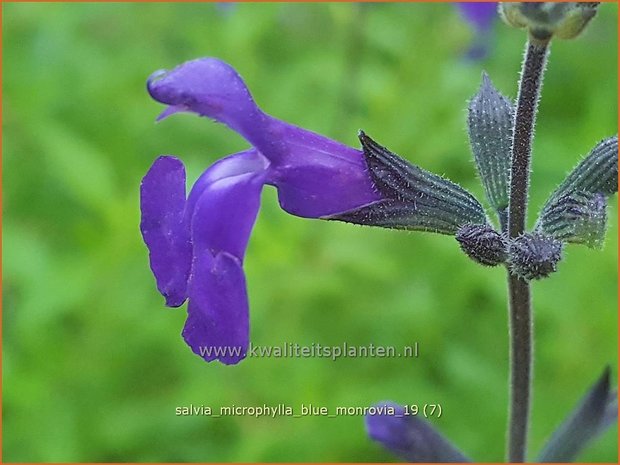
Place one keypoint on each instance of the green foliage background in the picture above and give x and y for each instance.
(93, 363)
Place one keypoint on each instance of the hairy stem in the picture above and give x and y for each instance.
(521, 348)
(520, 320)
(525, 117)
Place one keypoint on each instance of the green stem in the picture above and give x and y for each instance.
(520, 320)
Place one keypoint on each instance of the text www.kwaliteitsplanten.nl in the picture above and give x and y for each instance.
(314, 350)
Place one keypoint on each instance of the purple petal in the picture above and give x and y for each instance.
(211, 88)
(481, 15)
(162, 203)
(217, 326)
(410, 437)
(315, 176)
(248, 161)
(478, 51)
(225, 212)
(225, 202)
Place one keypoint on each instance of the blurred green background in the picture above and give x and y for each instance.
(93, 363)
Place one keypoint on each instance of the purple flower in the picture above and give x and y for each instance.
(197, 243)
(408, 436)
(481, 16)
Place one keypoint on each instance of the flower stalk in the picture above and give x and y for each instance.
(520, 308)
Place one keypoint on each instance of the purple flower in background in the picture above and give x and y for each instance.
(197, 243)
(408, 436)
(481, 16)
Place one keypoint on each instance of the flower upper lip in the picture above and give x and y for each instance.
(161, 87)
(156, 76)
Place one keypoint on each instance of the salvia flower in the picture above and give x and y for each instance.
(197, 243)
(481, 16)
(409, 437)
(415, 440)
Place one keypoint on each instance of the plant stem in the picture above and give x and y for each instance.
(520, 367)
(520, 321)
(525, 117)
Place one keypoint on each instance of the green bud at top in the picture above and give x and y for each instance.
(564, 20)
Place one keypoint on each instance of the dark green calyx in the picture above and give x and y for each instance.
(534, 256)
(490, 120)
(482, 244)
(578, 218)
(598, 172)
(576, 212)
(412, 198)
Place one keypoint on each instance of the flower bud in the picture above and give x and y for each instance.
(482, 244)
(564, 20)
(534, 256)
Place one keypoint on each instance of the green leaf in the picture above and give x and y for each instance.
(595, 413)
(490, 123)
